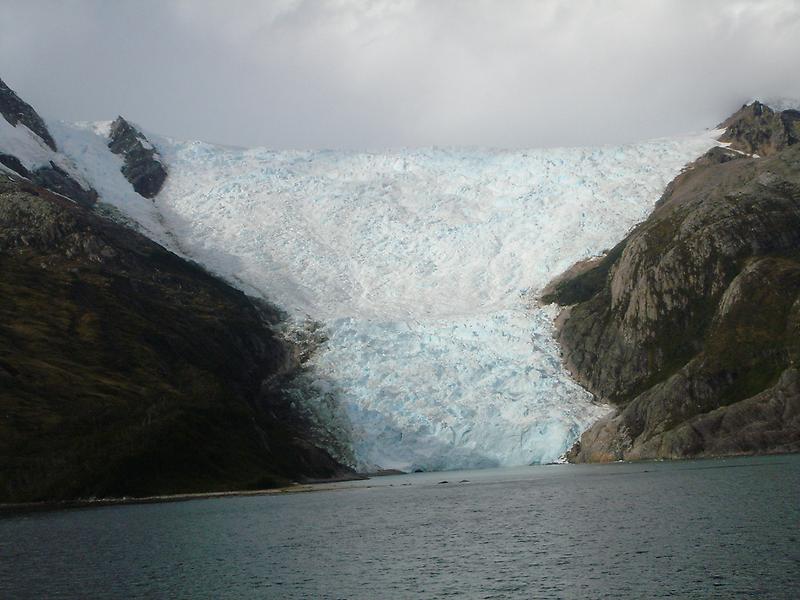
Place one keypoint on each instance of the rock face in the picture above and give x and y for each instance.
(13, 163)
(51, 176)
(757, 129)
(691, 325)
(15, 110)
(56, 179)
(127, 371)
(142, 167)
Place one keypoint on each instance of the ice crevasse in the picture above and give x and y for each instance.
(420, 267)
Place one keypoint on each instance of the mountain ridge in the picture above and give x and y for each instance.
(209, 191)
(689, 325)
(126, 370)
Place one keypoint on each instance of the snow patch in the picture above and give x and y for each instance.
(33, 153)
(779, 104)
(86, 146)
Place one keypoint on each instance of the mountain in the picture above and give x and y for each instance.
(27, 148)
(757, 129)
(691, 324)
(126, 370)
(17, 111)
(415, 269)
(408, 336)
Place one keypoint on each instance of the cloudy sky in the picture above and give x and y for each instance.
(388, 73)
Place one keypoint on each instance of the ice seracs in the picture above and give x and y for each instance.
(421, 266)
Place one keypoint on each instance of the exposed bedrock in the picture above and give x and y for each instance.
(56, 179)
(13, 163)
(15, 110)
(142, 167)
(691, 325)
(50, 175)
(757, 129)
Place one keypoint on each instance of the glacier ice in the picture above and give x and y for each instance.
(421, 266)
(32, 152)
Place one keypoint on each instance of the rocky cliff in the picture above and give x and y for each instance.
(127, 371)
(15, 110)
(142, 166)
(757, 129)
(42, 170)
(691, 325)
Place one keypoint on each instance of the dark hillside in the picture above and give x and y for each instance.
(128, 371)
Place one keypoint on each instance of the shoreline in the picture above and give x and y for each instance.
(47, 505)
(326, 485)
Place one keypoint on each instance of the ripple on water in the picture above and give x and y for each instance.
(612, 531)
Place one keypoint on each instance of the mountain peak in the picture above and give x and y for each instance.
(758, 129)
(16, 110)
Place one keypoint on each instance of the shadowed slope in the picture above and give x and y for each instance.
(125, 370)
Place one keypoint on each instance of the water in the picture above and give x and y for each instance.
(694, 529)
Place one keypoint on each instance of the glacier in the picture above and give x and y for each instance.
(421, 269)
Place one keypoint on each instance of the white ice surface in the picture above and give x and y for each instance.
(86, 146)
(19, 141)
(421, 265)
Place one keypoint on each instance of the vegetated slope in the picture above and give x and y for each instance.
(127, 371)
(691, 325)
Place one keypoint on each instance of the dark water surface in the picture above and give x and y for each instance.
(694, 529)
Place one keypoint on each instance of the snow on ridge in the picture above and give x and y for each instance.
(421, 265)
(86, 145)
(779, 104)
(19, 141)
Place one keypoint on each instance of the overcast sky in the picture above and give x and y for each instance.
(378, 73)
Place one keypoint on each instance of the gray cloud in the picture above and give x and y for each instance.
(374, 74)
